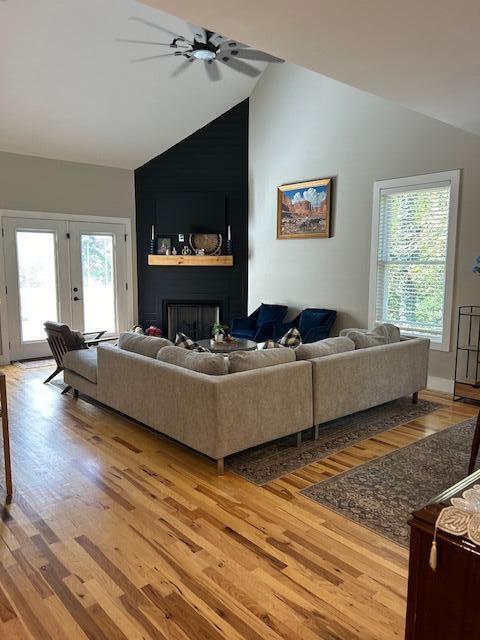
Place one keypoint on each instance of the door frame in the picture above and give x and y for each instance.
(68, 217)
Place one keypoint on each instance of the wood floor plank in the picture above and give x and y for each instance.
(118, 532)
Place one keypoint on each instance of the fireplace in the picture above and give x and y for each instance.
(195, 319)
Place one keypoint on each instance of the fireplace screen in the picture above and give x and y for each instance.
(193, 319)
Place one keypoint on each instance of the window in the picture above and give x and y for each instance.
(413, 246)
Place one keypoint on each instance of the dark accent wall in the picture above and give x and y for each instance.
(213, 159)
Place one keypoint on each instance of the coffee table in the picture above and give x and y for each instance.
(228, 347)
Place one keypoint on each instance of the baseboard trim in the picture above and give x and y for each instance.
(443, 385)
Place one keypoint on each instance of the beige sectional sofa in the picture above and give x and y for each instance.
(222, 414)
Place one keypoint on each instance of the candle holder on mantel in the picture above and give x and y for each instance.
(229, 241)
(153, 248)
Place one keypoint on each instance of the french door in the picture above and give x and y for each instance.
(71, 272)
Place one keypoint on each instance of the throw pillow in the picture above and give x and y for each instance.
(183, 341)
(271, 344)
(390, 331)
(326, 347)
(248, 360)
(144, 345)
(383, 334)
(365, 339)
(291, 339)
(209, 363)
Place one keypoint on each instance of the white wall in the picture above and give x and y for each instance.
(305, 126)
(28, 183)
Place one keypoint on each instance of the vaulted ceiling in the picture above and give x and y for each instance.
(68, 88)
(423, 54)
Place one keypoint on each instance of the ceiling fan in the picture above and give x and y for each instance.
(207, 47)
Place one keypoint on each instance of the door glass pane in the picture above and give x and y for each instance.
(98, 282)
(37, 282)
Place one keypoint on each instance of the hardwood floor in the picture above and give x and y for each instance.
(115, 532)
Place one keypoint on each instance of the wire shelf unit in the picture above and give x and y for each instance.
(467, 360)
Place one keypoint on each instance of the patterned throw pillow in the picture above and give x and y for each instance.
(270, 344)
(181, 340)
(291, 339)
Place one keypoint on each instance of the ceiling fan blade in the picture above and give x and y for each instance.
(217, 40)
(199, 33)
(213, 71)
(253, 54)
(160, 55)
(228, 44)
(181, 68)
(157, 26)
(240, 66)
(163, 44)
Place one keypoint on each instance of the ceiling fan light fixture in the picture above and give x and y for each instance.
(204, 54)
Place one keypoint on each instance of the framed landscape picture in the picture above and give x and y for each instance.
(303, 209)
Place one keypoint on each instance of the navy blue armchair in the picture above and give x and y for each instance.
(261, 324)
(313, 324)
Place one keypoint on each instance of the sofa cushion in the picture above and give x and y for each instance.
(144, 345)
(212, 364)
(83, 362)
(248, 360)
(364, 338)
(326, 347)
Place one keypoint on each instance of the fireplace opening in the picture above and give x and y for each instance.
(195, 319)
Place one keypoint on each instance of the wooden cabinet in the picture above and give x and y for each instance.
(443, 604)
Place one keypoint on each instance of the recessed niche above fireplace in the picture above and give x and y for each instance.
(195, 319)
(190, 212)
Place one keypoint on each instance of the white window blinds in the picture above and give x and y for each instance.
(412, 250)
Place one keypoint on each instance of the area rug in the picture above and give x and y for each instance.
(382, 494)
(272, 460)
(34, 364)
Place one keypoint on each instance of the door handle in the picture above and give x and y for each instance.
(76, 298)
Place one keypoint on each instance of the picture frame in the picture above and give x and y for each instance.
(304, 209)
(163, 244)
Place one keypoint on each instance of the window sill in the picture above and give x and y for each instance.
(434, 346)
